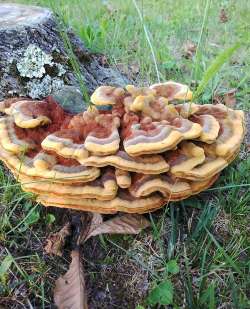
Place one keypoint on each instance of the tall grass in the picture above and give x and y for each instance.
(147, 35)
(62, 19)
(214, 68)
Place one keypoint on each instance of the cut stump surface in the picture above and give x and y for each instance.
(34, 61)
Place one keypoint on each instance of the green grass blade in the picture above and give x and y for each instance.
(198, 52)
(63, 27)
(215, 67)
(174, 233)
(148, 40)
(228, 259)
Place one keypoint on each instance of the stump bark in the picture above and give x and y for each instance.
(34, 61)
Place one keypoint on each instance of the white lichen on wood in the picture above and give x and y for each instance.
(33, 62)
(38, 88)
(61, 69)
(34, 66)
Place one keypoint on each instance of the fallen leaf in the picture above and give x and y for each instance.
(55, 242)
(189, 50)
(223, 16)
(70, 290)
(218, 99)
(230, 98)
(124, 224)
(96, 220)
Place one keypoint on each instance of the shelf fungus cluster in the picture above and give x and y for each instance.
(133, 150)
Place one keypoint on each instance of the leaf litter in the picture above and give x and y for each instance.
(55, 242)
(70, 289)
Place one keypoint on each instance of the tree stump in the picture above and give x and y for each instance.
(35, 63)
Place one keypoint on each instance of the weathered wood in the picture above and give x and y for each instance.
(33, 58)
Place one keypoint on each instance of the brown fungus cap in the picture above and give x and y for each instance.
(210, 127)
(66, 143)
(231, 128)
(103, 188)
(150, 164)
(107, 95)
(139, 91)
(5, 105)
(173, 91)
(150, 106)
(199, 186)
(195, 162)
(186, 110)
(90, 131)
(135, 157)
(10, 140)
(123, 178)
(149, 137)
(231, 134)
(17, 139)
(172, 188)
(52, 168)
(28, 114)
(123, 202)
(169, 187)
(186, 157)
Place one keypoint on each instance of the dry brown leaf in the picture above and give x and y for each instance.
(230, 98)
(124, 224)
(218, 99)
(96, 220)
(55, 242)
(223, 16)
(70, 290)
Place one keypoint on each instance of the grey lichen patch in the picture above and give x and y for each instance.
(42, 75)
(61, 69)
(38, 88)
(33, 62)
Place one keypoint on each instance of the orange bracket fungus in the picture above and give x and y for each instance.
(134, 156)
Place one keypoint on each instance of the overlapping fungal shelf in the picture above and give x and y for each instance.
(133, 150)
